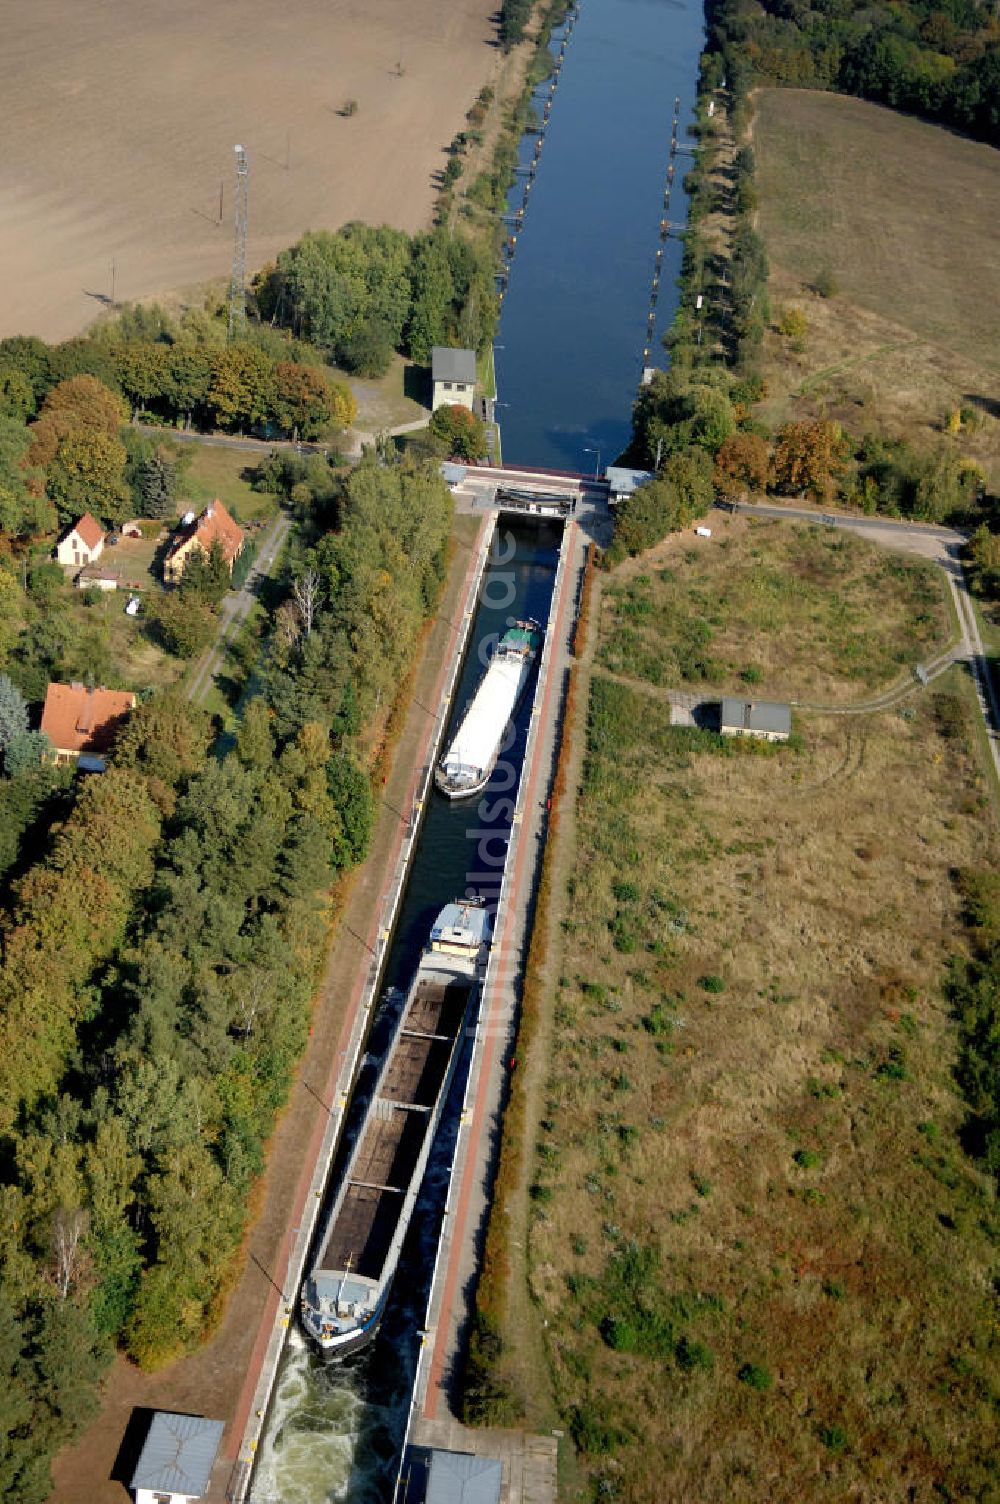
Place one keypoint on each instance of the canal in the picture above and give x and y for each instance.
(335, 1431)
(573, 327)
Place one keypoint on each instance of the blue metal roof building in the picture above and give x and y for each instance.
(460, 1478)
(178, 1456)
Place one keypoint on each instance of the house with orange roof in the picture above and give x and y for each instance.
(197, 535)
(82, 544)
(82, 723)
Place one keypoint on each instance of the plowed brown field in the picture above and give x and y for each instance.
(120, 122)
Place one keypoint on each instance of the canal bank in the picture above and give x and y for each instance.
(335, 1432)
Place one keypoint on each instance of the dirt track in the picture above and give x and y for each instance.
(120, 123)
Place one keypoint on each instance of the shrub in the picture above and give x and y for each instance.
(691, 1355)
(794, 324)
(712, 983)
(756, 1376)
(826, 284)
(807, 1159)
(592, 1433)
(834, 1438)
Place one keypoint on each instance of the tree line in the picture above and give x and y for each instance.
(701, 409)
(161, 936)
(939, 61)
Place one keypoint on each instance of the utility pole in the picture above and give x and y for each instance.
(238, 280)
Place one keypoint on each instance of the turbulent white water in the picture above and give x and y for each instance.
(309, 1451)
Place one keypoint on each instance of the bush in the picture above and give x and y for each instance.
(593, 1434)
(691, 1355)
(807, 1159)
(756, 1376)
(368, 351)
(712, 983)
(459, 431)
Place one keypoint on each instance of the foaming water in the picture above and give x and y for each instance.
(315, 1444)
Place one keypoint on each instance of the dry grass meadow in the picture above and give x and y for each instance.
(783, 612)
(120, 123)
(903, 215)
(763, 1263)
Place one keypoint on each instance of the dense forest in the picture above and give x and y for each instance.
(935, 58)
(364, 292)
(161, 934)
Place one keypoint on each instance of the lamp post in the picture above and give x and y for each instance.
(597, 466)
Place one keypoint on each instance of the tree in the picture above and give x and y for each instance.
(142, 371)
(306, 596)
(652, 511)
(26, 752)
(984, 561)
(17, 396)
(255, 739)
(185, 626)
(80, 403)
(742, 464)
(87, 472)
(367, 350)
(241, 391)
(24, 511)
(13, 713)
(206, 575)
(459, 431)
(351, 792)
(303, 400)
(942, 485)
(807, 456)
(166, 739)
(433, 296)
(158, 486)
(186, 379)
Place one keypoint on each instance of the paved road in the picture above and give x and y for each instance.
(926, 539)
(236, 608)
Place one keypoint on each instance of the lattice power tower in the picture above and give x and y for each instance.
(238, 281)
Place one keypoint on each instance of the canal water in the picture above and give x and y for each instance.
(335, 1431)
(573, 326)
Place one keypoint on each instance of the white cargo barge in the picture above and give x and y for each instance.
(468, 764)
(344, 1295)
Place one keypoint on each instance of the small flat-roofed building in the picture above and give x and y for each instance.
(461, 1478)
(82, 544)
(453, 376)
(82, 722)
(176, 1461)
(765, 719)
(622, 482)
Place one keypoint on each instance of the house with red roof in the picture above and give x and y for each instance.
(82, 544)
(82, 723)
(197, 535)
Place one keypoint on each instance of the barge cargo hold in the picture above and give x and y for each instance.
(344, 1295)
(468, 764)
